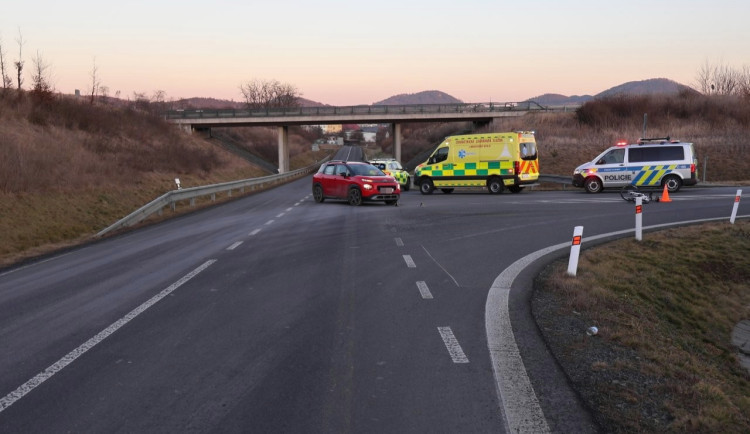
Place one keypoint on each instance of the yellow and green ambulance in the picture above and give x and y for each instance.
(492, 160)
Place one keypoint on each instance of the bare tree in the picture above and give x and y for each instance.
(95, 83)
(7, 81)
(269, 93)
(19, 62)
(719, 79)
(41, 79)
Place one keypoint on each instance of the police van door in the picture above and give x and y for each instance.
(611, 167)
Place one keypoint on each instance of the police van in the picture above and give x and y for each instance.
(656, 162)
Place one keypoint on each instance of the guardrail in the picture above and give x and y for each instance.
(357, 110)
(171, 198)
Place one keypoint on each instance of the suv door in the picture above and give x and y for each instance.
(611, 167)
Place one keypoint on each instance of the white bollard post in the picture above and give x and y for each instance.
(638, 218)
(736, 206)
(575, 250)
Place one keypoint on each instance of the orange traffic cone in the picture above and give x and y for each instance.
(665, 195)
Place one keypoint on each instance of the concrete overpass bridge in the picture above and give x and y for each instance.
(479, 113)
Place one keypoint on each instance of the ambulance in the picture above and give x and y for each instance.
(494, 160)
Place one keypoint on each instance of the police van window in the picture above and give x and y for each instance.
(329, 169)
(613, 157)
(528, 151)
(660, 153)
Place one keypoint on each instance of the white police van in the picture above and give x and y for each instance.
(655, 162)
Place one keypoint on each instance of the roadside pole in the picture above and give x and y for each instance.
(736, 206)
(575, 250)
(638, 218)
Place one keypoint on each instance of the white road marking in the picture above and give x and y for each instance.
(399, 242)
(255, 232)
(409, 261)
(234, 246)
(451, 343)
(289, 209)
(424, 290)
(269, 222)
(40, 378)
(280, 215)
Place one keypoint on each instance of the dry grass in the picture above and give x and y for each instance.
(665, 309)
(69, 169)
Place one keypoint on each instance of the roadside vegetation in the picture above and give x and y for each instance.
(69, 168)
(665, 307)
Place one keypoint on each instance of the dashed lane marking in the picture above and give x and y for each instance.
(451, 343)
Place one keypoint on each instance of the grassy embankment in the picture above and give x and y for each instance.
(665, 308)
(69, 169)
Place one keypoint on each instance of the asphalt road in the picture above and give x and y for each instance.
(273, 313)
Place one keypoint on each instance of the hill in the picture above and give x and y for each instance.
(424, 97)
(652, 86)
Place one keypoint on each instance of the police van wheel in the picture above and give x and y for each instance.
(673, 183)
(426, 186)
(593, 185)
(495, 185)
(407, 186)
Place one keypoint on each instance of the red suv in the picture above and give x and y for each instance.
(355, 182)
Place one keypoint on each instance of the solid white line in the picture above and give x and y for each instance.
(451, 343)
(269, 222)
(399, 242)
(255, 232)
(280, 215)
(424, 290)
(40, 378)
(409, 261)
(234, 246)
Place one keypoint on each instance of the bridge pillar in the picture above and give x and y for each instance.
(397, 141)
(283, 149)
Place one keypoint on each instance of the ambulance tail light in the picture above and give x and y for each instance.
(516, 168)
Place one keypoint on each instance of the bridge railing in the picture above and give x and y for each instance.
(356, 110)
(171, 198)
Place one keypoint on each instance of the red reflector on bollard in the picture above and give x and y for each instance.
(576, 240)
(638, 209)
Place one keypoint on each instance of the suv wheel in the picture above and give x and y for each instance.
(318, 193)
(355, 196)
(592, 185)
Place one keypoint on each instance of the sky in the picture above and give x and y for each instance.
(353, 52)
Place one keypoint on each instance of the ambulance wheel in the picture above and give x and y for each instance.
(447, 190)
(515, 188)
(593, 185)
(355, 197)
(318, 193)
(672, 182)
(426, 186)
(495, 185)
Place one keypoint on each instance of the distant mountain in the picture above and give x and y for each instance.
(424, 97)
(557, 99)
(653, 86)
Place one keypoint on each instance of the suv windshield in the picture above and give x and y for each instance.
(365, 170)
